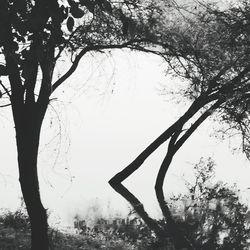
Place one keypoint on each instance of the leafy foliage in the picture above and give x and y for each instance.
(209, 49)
(15, 234)
(35, 32)
(16, 220)
(213, 215)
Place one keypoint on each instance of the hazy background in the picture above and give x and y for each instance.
(98, 122)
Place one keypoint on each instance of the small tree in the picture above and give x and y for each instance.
(213, 215)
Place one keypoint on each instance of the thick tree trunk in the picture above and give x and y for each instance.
(27, 137)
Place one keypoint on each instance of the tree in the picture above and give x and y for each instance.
(209, 49)
(34, 35)
(212, 210)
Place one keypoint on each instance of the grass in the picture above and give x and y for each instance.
(19, 239)
(15, 235)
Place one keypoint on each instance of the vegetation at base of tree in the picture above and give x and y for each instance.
(211, 213)
(19, 240)
(15, 235)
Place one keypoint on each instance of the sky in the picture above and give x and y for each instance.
(97, 123)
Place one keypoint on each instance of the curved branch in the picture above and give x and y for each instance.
(89, 48)
(5, 105)
(179, 238)
(173, 147)
(116, 181)
(131, 168)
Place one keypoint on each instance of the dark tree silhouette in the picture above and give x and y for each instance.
(211, 209)
(34, 35)
(209, 49)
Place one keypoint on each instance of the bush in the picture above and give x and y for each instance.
(15, 220)
(211, 214)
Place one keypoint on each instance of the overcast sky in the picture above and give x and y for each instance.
(103, 117)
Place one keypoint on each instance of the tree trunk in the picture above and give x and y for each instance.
(28, 128)
(179, 238)
(170, 133)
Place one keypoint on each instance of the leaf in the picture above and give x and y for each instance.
(70, 23)
(76, 12)
(89, 5)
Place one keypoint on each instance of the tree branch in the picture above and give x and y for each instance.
(5, 105)
(197, 123)
(5, 89)
(172, 149)
(138, 207)
(132, 44)
(174, 146)
(131, 168)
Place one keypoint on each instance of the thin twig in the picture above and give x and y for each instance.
(5, 105)
(5, 89)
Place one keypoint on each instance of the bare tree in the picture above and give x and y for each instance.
(209, 49)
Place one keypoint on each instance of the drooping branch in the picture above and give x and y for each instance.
(132, 44)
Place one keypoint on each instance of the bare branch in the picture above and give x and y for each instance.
(5, 89)
(197, 123)
(89, 48)
(5, 105)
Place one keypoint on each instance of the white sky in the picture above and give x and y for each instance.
(109, 111)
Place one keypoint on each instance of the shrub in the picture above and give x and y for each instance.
(15, 220)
